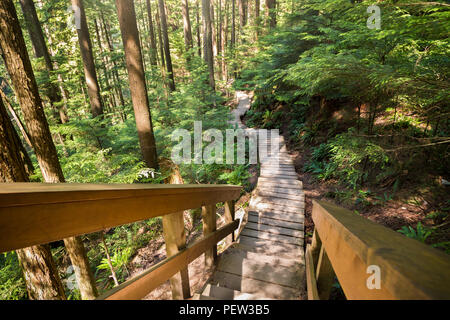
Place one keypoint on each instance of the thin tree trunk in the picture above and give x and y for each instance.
(213, 29)
(18, 65)
(153, 48)
(224, 43)
(188, 42)
(257, 18)
(199, 41)
(108, 258)
(207, 41)
(165, 35)
(138, 88)
(271, 13)
(242, 14)
(41, 51)
(84, 40)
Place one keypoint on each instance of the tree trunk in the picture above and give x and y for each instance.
(41, 51)
(165, 34)
(153, 48)
(138, 89)
(213, 29)
(271, 13)
(257, 7)
(18, 64)
(207, 41)
(90, 73)
(108, 259)
(188, 42)
(242, 14)
(197, 15)
(41, 277)
(224, 39)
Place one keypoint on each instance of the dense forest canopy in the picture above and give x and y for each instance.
(365, 98)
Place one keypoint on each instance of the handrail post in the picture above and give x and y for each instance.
(324, 275)
(316, 245)
(229, 217)
(209, 226)
(175, 238)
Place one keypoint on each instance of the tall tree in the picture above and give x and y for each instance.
(257, 8)
(165, 35)
(271, 13)
(188, 41)
(133, 55)
(153, 48)
(18, 65)
(207, 42)
(242, 14)
(197, 18)
(41, 276)
(90, 73)
(41, 51)
(224, 38)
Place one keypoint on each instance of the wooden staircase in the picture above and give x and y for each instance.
(267, 260)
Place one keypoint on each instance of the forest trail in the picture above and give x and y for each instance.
(267, 260)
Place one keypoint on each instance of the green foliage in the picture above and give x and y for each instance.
(421, 234)
(12, 284)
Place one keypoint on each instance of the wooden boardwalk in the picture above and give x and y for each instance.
(267, 260)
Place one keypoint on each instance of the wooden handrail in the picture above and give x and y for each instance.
(350, 244)
(36, 213)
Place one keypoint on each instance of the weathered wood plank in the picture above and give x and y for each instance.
(275, 223)
(270, 236)
(209, 226)
(268, 247)
(175, 239)
(33, 213)
(311, 284)
(290, 217)
(274, 229)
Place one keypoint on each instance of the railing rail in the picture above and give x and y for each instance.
(36, 213)
(353, 248)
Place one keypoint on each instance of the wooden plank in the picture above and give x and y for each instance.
(291, 277)
(311, 284)
(409, 268)
(290, 217)
(256, 287)
(240, 251)
(268, 247)
(274, 229)
(278, 202)
(270, 236)
(300, 196)
(324, 275)
(229, 217)
(272, 207)
(175, 239)
(139, 286)
(316, 246)
(276, 223)
(209, 226)
(33, 213)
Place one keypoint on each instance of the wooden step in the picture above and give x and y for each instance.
(274, 229)
(291, 203)
(275, 208)
(300, 196)
(280, 190)
(260, 270)
(222, 293)
(238, 249)
(253, 286)
(275, 223)
(198, 296)
(268, 247)
(270, 236)
(290, 217)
